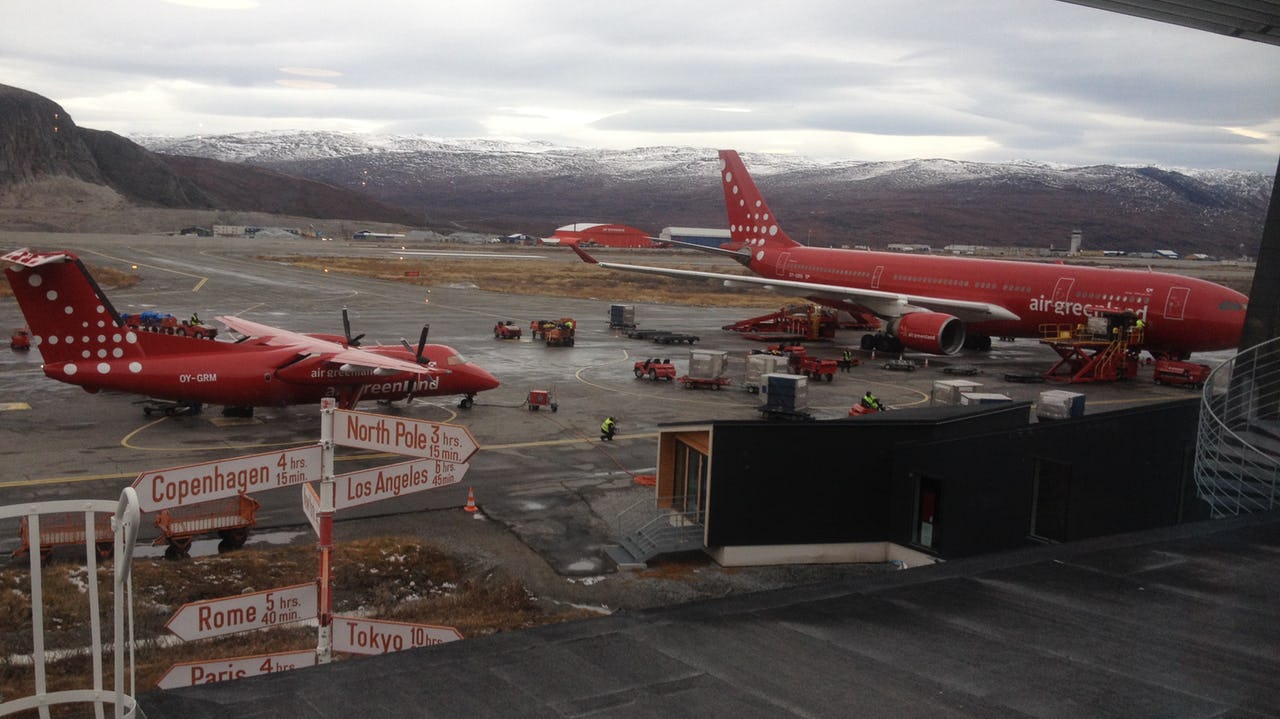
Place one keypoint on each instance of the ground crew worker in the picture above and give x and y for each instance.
(870, 401)
(846, 360)
(195, 319)
(607, 428)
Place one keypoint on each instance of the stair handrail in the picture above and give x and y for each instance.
(1234, 394)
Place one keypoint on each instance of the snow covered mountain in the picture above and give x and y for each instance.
(499, 186)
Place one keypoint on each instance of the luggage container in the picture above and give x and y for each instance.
(976, 398)
(759, 365)
(786, 396)
(948, 391)
(707, 364)
(622, 316)
(1059, 404)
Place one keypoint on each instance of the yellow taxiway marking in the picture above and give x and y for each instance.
(13, 406)
(200, 279)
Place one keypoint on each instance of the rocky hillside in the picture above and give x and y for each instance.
(495, 187)
(534, 188)
(41, 147)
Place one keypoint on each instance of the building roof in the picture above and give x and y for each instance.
(1257, 20)
(1174, 622)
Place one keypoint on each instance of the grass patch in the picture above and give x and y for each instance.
(556, 279)
(394, 578)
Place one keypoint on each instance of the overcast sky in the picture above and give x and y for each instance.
(990, 80)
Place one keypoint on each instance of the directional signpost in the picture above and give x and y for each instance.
(369, 636)
(180, 486)
(187, 674)
(242, 612)
(443, 451)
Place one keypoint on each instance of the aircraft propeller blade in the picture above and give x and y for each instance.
(417, 356)
(422, 343)
(346, 330)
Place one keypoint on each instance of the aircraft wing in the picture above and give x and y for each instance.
(338, 353)
(882, 304)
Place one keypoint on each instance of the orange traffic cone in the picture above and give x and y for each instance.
(873, 354)
(471, 500)
(926, 361)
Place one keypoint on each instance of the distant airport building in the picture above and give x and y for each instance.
(909, 247)
(371, 235)
(602, 234)
(1166, 254)
(696, 235)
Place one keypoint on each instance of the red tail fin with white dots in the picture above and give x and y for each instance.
(751, 223)
(71, 321)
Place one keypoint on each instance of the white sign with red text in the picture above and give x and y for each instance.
(375, 636)
(393, 480)
(189, 674)
(240, 613)
(195, 483)
(413, 437)
(311, 506)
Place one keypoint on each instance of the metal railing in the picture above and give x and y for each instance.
(1237, 466)
(76, 523)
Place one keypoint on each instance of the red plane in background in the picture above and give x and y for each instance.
(83, 341)
(938, 305)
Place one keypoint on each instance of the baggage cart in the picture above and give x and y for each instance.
(230, 518)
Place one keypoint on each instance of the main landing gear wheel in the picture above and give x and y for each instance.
(466, 402)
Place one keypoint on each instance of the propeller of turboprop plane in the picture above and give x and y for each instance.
(346, 330)
(417, 357)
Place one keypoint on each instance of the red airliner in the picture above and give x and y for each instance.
(938, 305)
(83, 341)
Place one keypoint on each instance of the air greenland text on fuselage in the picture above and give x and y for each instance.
(1068, 308)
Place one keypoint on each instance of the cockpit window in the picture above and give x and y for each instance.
(455, 359)
(1231, 306)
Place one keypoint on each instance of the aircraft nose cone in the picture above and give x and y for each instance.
(481, 379)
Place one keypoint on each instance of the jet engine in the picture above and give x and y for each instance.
(931, 332)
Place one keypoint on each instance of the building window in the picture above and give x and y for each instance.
(928, 494)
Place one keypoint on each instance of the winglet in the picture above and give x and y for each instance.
(583, 254)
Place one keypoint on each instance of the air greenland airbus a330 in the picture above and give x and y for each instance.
(83, 341)
(938, 305)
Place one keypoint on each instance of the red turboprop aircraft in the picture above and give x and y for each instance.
(83, 341)
(939, 305)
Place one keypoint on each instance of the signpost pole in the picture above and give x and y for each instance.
(324, 589)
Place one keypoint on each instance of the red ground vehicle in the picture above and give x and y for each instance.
(655, 369)
(165, 323)
(817, 369)
(20, 340)
(506, 331)
(230, 517)
(539, 398)
(555, 333)
(1189, 374)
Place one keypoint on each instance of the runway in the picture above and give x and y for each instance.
(544, 474)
